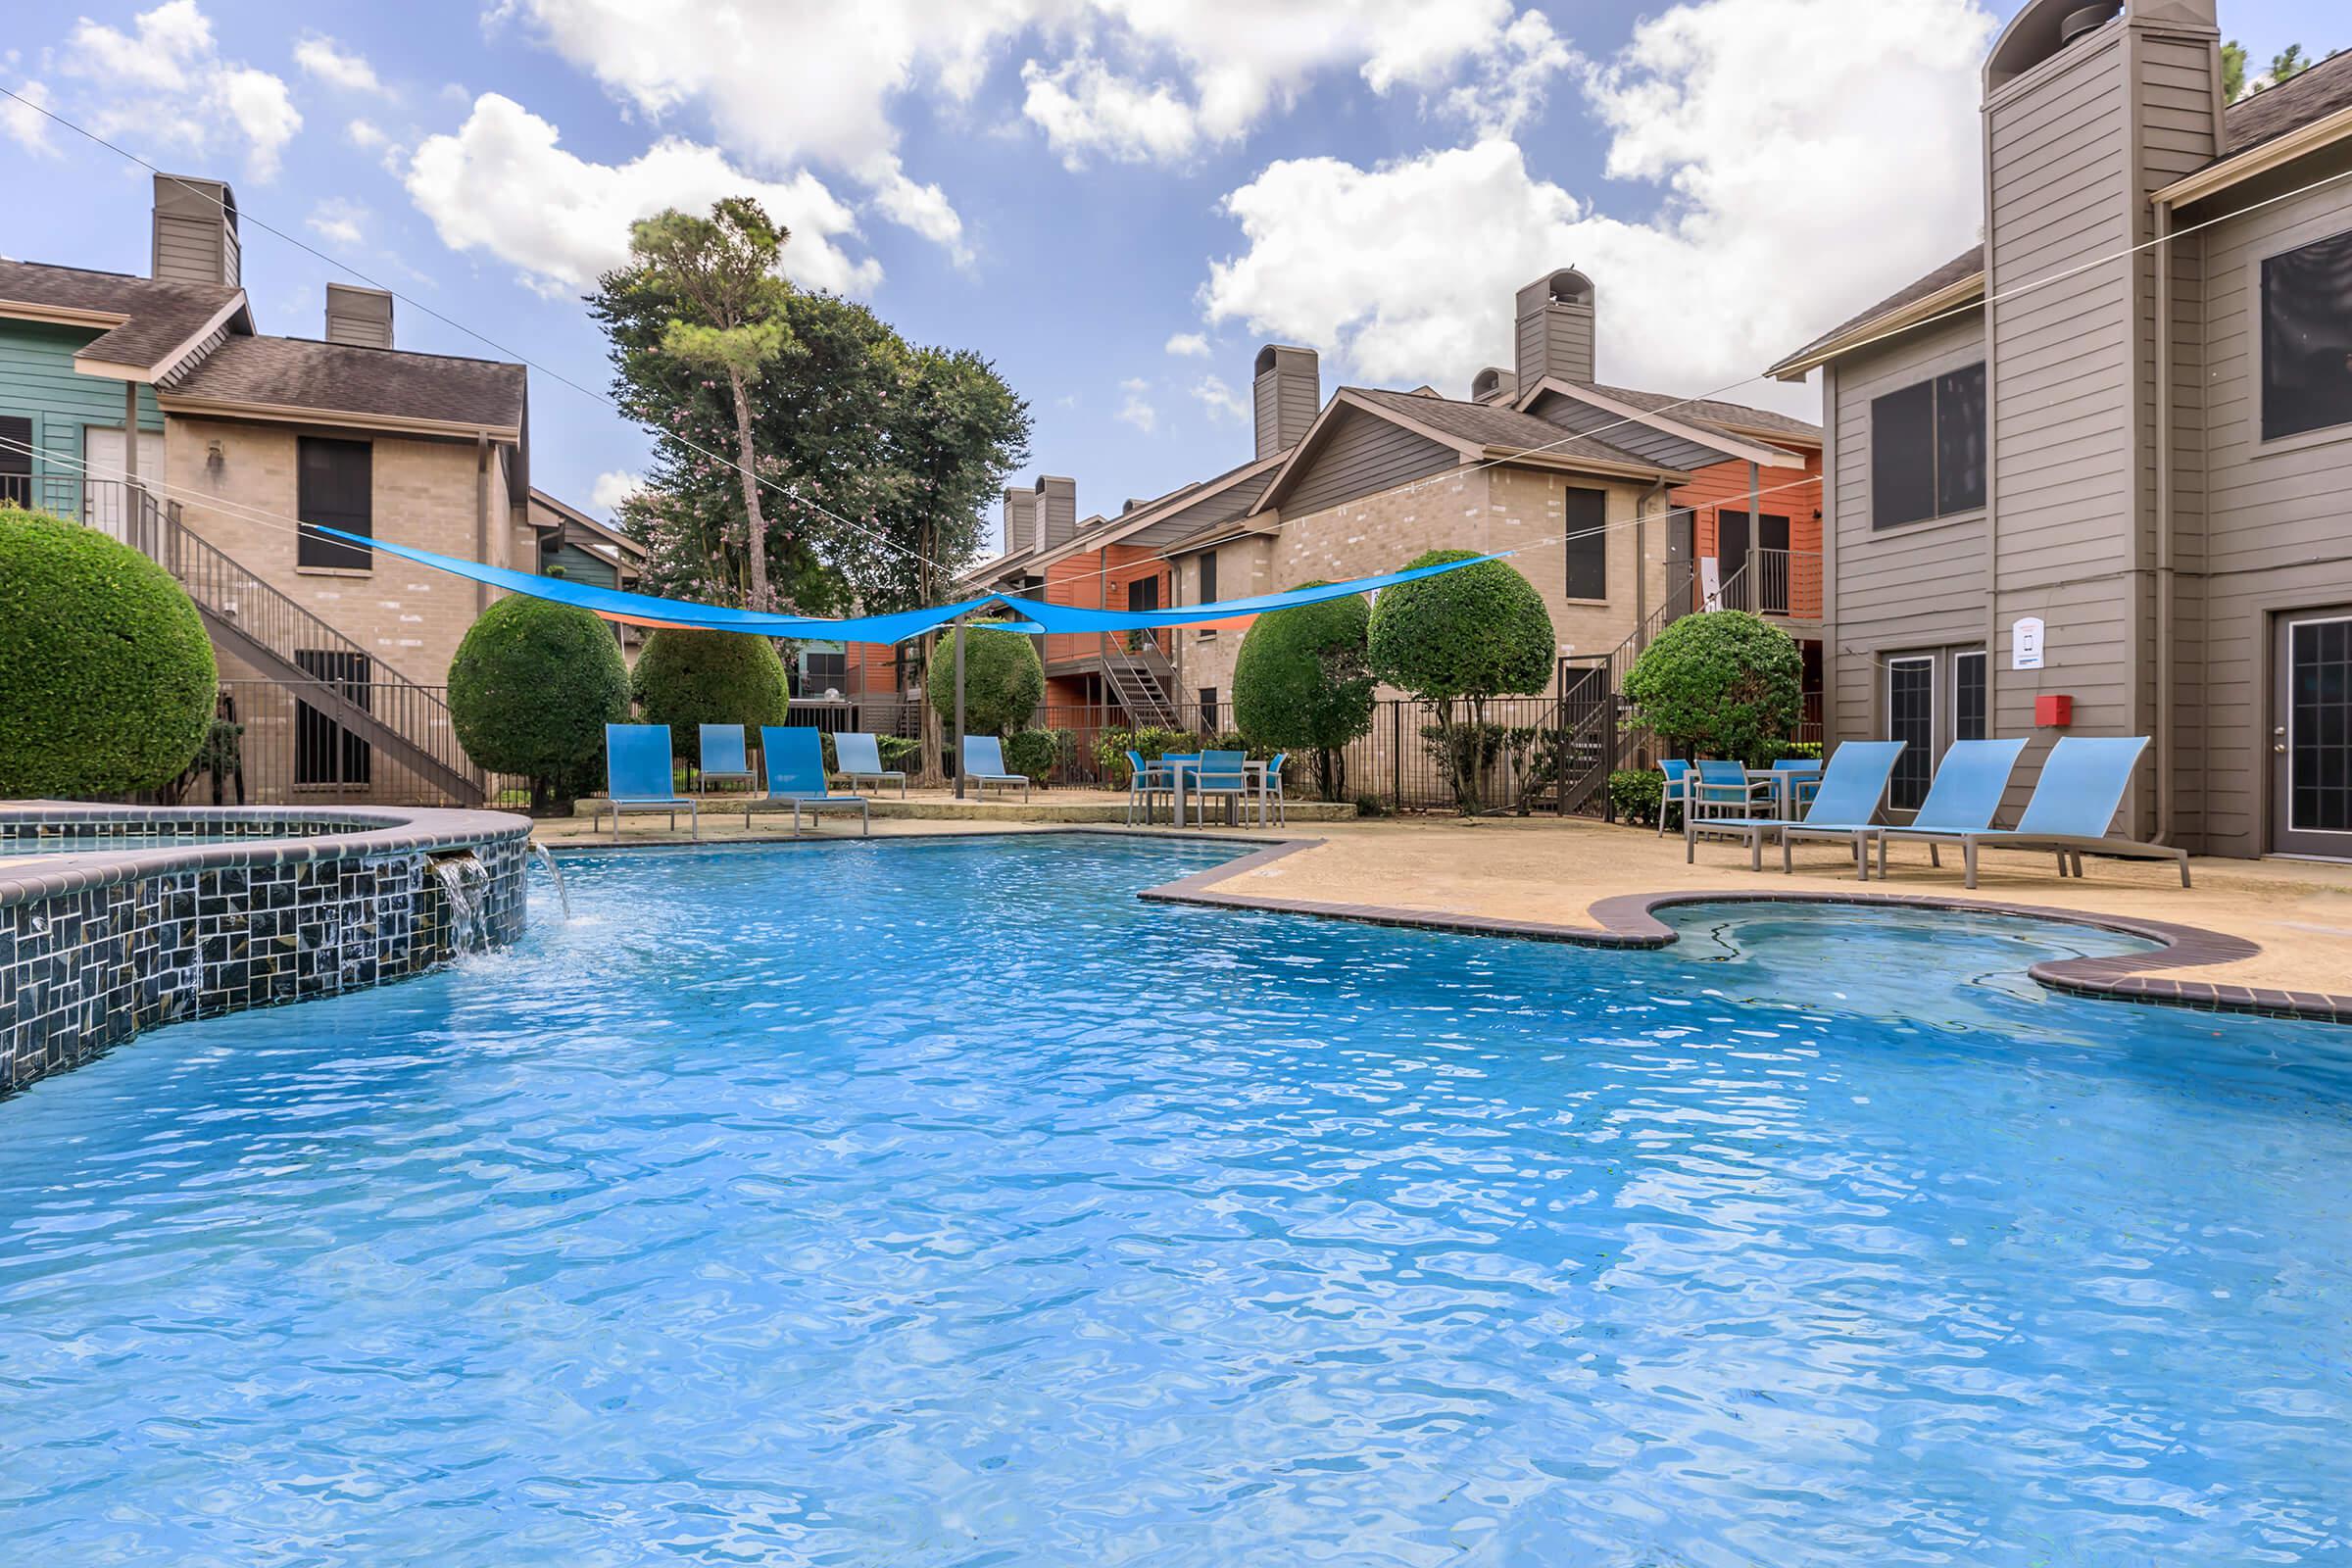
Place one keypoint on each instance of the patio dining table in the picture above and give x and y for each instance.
(1784, 782)
(1183, 769)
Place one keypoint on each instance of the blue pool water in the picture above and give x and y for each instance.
(947, 1205)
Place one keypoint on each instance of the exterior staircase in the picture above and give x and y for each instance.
(1137, 682)
(407, 725)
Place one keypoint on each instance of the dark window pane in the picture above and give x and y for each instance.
(1968, 698)
(2307, 339)
(1588, 544)
(1144, 594)
(1911, 719)
(1960, 440)
(2320, 728)
(335, 486)
(1903, 456)
(16, 462)
(1208, 579)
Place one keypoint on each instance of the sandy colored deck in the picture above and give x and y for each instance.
(1548, 872)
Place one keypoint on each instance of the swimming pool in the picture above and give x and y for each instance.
(947, 1204)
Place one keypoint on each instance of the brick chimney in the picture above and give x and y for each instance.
(1056, 511)
(195, 238)
(1288, 394)
(358, 316)
(1554, 333)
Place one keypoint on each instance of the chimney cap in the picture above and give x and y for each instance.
(1271, 355)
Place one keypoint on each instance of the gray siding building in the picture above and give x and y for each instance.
(2106, 456)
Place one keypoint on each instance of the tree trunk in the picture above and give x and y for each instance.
(755, 521)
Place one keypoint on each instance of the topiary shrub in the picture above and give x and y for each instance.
(1456, 640)
(687, 679)
(1038, 753)
(1004, 681)
(530, 691)
(106, 680)
(1725, 683)
(1302, 682)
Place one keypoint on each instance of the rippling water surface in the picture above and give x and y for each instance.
(947, 1205)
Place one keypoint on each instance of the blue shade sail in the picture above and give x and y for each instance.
(617, 604)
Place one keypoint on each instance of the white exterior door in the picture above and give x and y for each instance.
(102, 502)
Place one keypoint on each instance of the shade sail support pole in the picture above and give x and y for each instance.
(959, 708)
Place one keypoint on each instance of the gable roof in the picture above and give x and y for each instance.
(340, 383)
(1477, 431)
(145, 326)
(565, 518)
(1686, 432)
(2319, 101)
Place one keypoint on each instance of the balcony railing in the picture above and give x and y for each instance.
(1773, 582)
(122, 510)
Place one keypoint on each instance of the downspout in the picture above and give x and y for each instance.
(1657, 489)
(482, 518)
(2163, 523)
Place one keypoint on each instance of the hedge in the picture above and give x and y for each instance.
(1004, 681)
(1467, 635)
(530, 691)
(106, 680)
(1725, 683)
(688, 678)
(1302, 682)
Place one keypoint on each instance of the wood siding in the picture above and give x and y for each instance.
(38, 381)
(1359, 454)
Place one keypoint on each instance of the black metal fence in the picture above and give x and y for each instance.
(271, 747)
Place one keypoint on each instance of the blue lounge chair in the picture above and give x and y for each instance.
(983, 763)
(861, 756)
(2075, 801)
(1968, 788)
(638, 778)
(1225, 773)
(1680, 776)
(723, 755)
(795, 772)
(1851, 787)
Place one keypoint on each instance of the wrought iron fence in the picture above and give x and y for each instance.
(269, 746)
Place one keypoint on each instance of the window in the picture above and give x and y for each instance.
(1208, 579)
(1968, 696)
(2307, 339)
(1144, 594)
(335, 486)
(1587, 546)
(1208, 710)
(324, 752)
(1911, 719)
(822, 673)
(16, 459)
(1926, 449)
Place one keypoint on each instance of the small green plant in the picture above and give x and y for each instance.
(1151, 742)
(1038, 753)
(1726, 683)
(1637, 794)
(687, 678)
(106, 681)
(530, 691)
(1004, 681)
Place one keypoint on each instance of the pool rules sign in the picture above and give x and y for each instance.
(2025, 643)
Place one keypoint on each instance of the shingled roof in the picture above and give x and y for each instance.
(1490, 424)
(2263, 117)
(154, 320)
(299, 374)
(1714, 410)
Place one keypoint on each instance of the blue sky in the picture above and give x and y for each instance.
(1079, 189)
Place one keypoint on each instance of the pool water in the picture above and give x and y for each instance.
(946, 1205)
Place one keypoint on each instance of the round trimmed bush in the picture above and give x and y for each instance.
(687, 679)
(106, 680)
(531, 689)
(1004, 681)
(1726, 682)
(1479, 632)
(1303, 684)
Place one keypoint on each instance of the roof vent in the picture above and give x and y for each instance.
(2086, 19)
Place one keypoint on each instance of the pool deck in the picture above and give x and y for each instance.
(2273, 936)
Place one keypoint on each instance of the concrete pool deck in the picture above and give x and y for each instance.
(2263, 935)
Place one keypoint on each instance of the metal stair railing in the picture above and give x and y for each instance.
(271, 631)
(1136, 688)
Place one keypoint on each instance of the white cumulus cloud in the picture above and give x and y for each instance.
(1084, 107)
(501, 184)
(1137, 409)
(612, 488)
(1190, 345)
(166, 80)
(24, 124)
(338, 221)
(329, 60)
(1221, 402)
(1814, 154)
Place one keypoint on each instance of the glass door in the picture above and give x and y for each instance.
(2311, 736)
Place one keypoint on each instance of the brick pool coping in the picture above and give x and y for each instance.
(1630, 922)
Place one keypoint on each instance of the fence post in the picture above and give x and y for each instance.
(1397, 755)
(1608, 765)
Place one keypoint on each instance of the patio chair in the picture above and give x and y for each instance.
(723, 757)
(1146, 780)
(1680, 776)
(1966, 791)
(1724, 789)
(981, 758)
(1224, 773)
(638, 778)
(1798, 790)
(2075, 801)
(861, 756)
(795, 772)
(1851, 787)
(1270, 793)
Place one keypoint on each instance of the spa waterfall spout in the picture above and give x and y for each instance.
(555, 872)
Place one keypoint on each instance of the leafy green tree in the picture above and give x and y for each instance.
(106, 681)
(2233, 71)
(1302, 682)
(720, 275)
(1728, 683)
(1003, 679)
(1456, 641)
(687, 678)
(530, 691)
(2287, 62)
